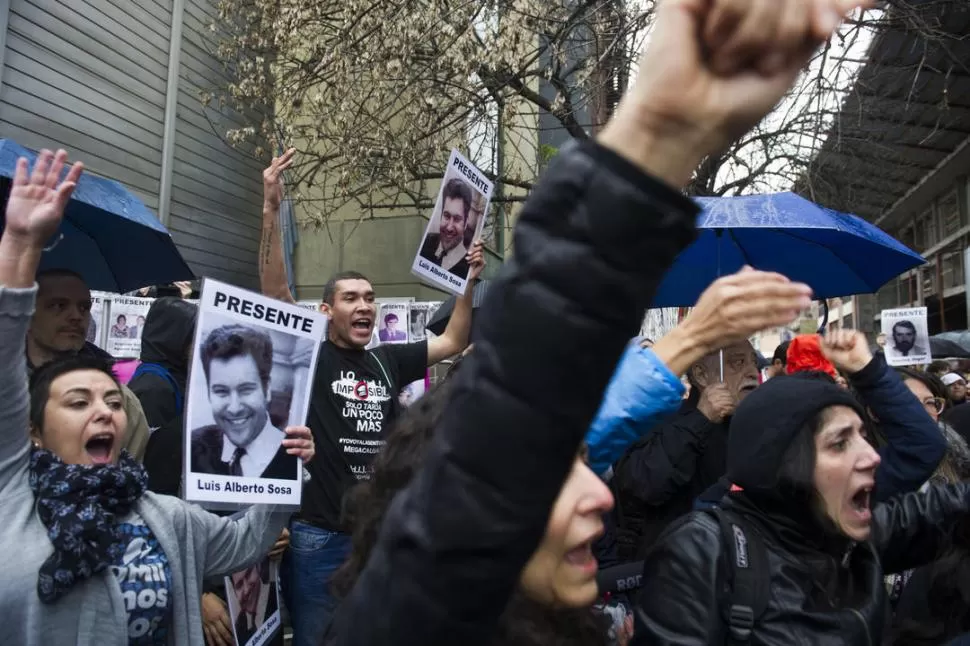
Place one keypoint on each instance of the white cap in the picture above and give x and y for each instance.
(951, 378)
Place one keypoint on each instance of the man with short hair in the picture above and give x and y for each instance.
(447, 247)
(390, 333)
(237, 361)
(353, 405)
(661, 476)
(779, 360)
(59, 327)
(904, 340)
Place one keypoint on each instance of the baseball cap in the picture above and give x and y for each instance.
(951, 378)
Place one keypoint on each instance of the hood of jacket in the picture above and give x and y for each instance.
(168, 332)
(763, 429)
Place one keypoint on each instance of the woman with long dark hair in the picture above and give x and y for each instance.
(798, 451)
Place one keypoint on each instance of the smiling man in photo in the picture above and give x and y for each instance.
(237, 361)
(447, 247)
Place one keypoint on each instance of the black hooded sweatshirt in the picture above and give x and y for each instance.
(165, 341)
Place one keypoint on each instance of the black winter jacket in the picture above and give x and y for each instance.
(824, 592)
(658, 479)
(591, 246)
(166, 339)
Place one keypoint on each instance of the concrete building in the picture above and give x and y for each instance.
(899, 155)
(117, 83)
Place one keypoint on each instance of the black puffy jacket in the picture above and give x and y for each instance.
(824, 592)
(591, 246)
(822, 587)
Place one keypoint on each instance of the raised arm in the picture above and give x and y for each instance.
(272, 270)
(34, 211)
(591, 246)
(455, 337)
(646, 387)
(914, 443)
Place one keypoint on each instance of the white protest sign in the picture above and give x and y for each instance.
(392, 323)
(254, 603)
(457, 220)
(252, 369)
(126, 321)
(413, 391)
(420, 314)
(96, 327)
(907, 336)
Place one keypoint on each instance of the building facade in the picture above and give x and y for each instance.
(118, 84)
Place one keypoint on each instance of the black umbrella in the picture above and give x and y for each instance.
(946, 349)
(439, 320)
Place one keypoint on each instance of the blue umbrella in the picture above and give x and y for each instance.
(837, 254)
(108, 236)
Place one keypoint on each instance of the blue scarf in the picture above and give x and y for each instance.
(79, 505)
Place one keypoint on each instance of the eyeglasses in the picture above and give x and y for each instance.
(934, 405)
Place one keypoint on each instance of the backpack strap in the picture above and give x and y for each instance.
(161, 371)
(748, 576)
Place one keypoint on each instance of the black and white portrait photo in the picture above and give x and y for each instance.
(907, 336)
(254, 604)
(458, 217)
(244, 439)
(252, 368)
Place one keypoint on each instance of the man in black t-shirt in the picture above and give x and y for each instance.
(353, 405)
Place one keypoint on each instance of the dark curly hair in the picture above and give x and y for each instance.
(525, 622)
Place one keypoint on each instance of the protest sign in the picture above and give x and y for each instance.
(252, 367)
(126, 320)
(419, 321)
(907, 338)
(455, 224)
(99, 305)
(254, 603)
(413, 391)
(392, 322)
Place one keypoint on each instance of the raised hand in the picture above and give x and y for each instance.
(38, 199)
(717, 403)
(847, 349)
(272, 184)
(735, 307)
(299, 442)
(476, 260)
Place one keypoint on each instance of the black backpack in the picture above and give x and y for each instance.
(746, 575)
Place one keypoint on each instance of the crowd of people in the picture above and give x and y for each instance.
(563, 484)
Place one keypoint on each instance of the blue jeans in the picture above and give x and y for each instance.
(308, 565)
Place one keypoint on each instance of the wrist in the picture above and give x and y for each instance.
(668, 150)
(681, 348)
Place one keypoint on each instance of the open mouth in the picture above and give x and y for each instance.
(860, 503)
(582, 557)
(361, 325)
(747, 388)
(99, 448)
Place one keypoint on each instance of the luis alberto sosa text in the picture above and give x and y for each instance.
(236, 487)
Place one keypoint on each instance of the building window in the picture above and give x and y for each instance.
(952, 266)
(888, 296)
(948, 208)
(931, 230)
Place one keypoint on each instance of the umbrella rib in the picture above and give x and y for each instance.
(790, 233)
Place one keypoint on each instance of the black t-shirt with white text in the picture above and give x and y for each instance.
(352, 407)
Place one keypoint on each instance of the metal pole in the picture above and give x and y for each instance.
(720, 354)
